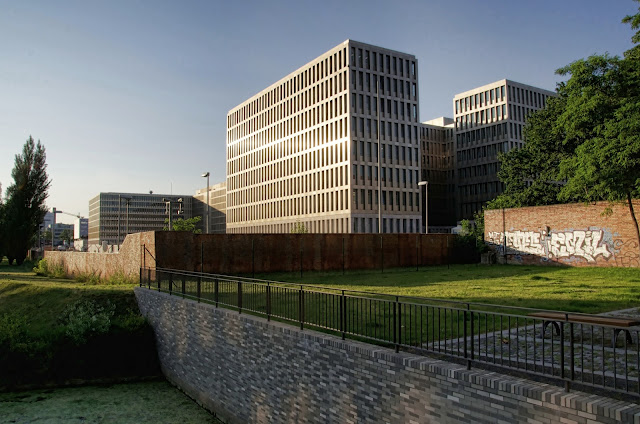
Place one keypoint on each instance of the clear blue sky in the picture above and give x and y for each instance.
(132, 95)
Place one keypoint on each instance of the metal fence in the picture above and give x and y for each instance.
(593, 355)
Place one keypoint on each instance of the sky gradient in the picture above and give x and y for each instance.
(132, 96)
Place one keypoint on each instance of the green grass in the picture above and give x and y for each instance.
(588, 290)
(41, 300)
(135, 403)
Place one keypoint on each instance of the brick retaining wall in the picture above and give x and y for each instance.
(571, 234)
(247, 369)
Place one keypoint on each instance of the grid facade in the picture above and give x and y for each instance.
(305, 150)
(489, 120)
(218, 204)
(144, 212)
(437, 169)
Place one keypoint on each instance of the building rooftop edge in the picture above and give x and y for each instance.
(503, 81)
(304, 66)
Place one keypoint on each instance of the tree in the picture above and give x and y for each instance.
(299, 228)
(46, 236)
(182, 224)
(585, 146)
(66, 235)
(531, 174)
(24, 208)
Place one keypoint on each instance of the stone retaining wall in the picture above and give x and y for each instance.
(247, 369)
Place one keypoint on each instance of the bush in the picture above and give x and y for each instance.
(85, 319)
(120, 278)
(41, 268)
(44, 269)
(88, 277)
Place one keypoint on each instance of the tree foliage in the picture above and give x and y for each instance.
(24, 209)
(585, 145)
(66, 235)
(299, 228)
(182, 224)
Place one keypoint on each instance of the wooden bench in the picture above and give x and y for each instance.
(619, 324)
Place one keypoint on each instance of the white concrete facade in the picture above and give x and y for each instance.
(489, 120)
(305, 149)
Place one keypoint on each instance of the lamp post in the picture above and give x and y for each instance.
(206, 175)
(119, 207)
(53, 227)
(379, 157)
(426, 204)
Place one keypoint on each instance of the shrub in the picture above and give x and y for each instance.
(86, 318)
(120, 278)
(88, 277)
(46, 270)
(41, 268)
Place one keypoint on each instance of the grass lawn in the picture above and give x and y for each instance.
(41, 300)
(135, 403)
(588, 290)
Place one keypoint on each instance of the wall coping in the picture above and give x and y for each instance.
(534, 392)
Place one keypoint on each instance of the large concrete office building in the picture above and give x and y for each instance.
(489, 120)
(118, 214)
(305, 149)
(217, 208)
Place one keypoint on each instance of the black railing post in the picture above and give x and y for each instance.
(472, 331)
(159, 279)
(343, 315)
(395, 324)
(215, 291)
(268, 301)
(141, 277)
(239, 297)
(399, 324)
(170, 283)
(184, 285)
(149, 278)
(199, 288)
(562, 360)
(572, 374)
(301, 308)
(464, 336)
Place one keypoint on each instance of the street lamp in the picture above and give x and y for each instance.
(206, 175)
(426, 204)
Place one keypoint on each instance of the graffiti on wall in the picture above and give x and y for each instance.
(586, 244)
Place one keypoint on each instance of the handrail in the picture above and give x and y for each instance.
(581, 353)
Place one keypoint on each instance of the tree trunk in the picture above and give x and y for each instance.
(633, 216)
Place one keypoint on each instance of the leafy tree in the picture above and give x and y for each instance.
(299, 228)
(66, 235)
(24, 208)
(531, 174)
(46, 236)
(181, 224)
(585, 146)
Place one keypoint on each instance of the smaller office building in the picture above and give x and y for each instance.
(114, 215)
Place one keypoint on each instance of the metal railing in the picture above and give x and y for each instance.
(590, 355)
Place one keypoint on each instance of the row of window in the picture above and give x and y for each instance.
(375, 61)
(490, 189)
(391, 200)
(389, 225)
(379, 84)
(478, 170)
(475, 101)
(310, 76)
(305, 144)
(392, 131)
(480, 152)
(367, 151)
(317, 203)
(259, 134)
(403, 176)
(482, 117)
(332, 225)
(257, 168)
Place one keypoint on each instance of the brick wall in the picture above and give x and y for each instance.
(249, 370)
(571, 234)
(247, 253)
